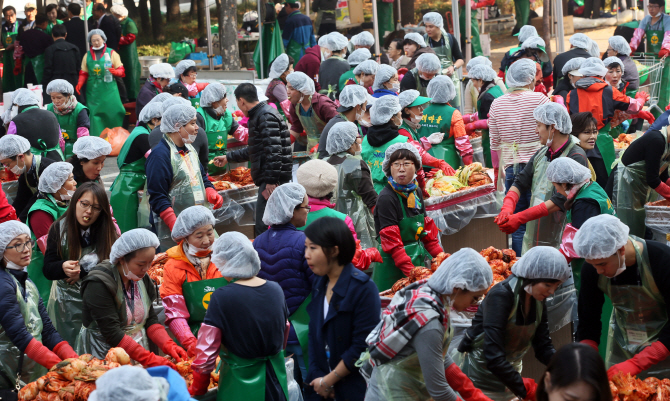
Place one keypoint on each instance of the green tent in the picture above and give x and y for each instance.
(273, 46)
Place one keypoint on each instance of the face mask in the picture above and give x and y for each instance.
(190, 139)
(327, 54)
(550, 140)
(15, 112)
(301, 99)
(415, 118)
(529, 289)
(220, 110)
(395, 87)
(359, 115)
(129, 275)
(98, 48)
(19, 170)
(67, 196)
(622, 265)
(397, 121)
(12, 265)
(199, 252)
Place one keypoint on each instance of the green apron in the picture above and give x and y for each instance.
(242, 379)
(35, 271)
(345, 77)
(102, 97)
(130, 60)
(639, 315)
(131, 179)
(300, 321)
(654, 40)
(547, 230)
(631, 192)
(496, 92)
(411, 232)
(295, 49)
(522, 13)
(51, 25)
(445, 55)
(374, 157)
(38, 65)
(423, 90)
(474, 29)
(68, 126)
(312, 125)
(385, 17)
(9, 354)
(10, 82)
(412, 131)
(437, 118)
(605, 144)
(197, 295)
(325, 212)
(89, 10)
(217, 137)
(518, 340)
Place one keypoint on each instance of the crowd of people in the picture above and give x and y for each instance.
(335, 229)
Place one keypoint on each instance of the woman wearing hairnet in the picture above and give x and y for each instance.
(186, 72)
(534, 49)
(159, 79)
(427, 67)
(217, 122)
(524, 33)
(413, 105)
(98, 69)
(554, 127)
(440, 116)
(408, 348)
(633, 273)
(585, 133)
(511, 319)
(570, 75)
(365, 74)
(470, 100)
(353, 105)
(447, 48)
(27, 328)
(88, 158)
(618, 47)
(355, 58)
(189, 276)
(407, 236)
(333, 67)
(72, 116)
(56, 187)
(414, 46)
(386, 82)
(175, 178)
(246, 325)
(118, 298)
(276, 91)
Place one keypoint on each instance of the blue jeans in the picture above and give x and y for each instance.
(297, 358)
(521, 205)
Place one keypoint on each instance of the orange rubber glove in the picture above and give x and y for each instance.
(83, 76)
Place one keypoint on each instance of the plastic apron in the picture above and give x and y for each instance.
(197, 295)
(437, 118)
(385, 17)
(496, 92)
(10, 82)
(349, 202)
(103, 99)
(423, 90)
(374, 157)
(242, 379)
(9, 354)
(68, 126)
(217, 137)
(312, 125)
(38, 65)
(300, 322)
(605, 144)
(131, 178)
(130, 59)
(631, 191)
(444, 53)
(518, 340)
(639, 315)
(411, 232)
(547, 230)
(50, 26)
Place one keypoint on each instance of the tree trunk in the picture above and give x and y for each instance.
(546, 27)
(202, 24)
(194, 8)
(133, 11)
(144, 17)
(173, 12)
(218, 7)
(230, 51)
(406, 12)
(157, 20)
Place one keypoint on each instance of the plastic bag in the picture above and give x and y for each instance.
(116, 137)
(294, 393)
(179, 50)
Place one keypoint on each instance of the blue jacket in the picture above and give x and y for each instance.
(178, 390)
(383, 92)
(298, 27)
(282, 253)
(355, 309)
(662, 121)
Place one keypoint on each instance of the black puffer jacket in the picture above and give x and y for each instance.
(269, 149)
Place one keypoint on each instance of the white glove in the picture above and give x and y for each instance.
(436, 138)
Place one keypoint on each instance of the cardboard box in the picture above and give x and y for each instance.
(478, 235)
(356, 11)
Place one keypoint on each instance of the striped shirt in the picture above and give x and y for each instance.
(512, 126)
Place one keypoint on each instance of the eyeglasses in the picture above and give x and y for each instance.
(305, 207)
(22, 247)
(87, 206)
(406, 165)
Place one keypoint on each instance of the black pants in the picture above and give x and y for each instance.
(123, 93)
(592, 5)
(260, 227)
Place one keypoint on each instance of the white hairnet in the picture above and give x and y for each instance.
(542, 262)
(60, 86)
(620, 45)
(234, 256)
(322, 41)
(128, 383)
(612, 60)
(301, 82)
(483, 72)
(131, 241)
(358, 56)
(161, 97)
(593, 67)
(428, 62)
(151, 110)
(91, 147)
(371, 100)
(580, 41)
(407, 97)
(521, 73)
(564, 170)
(477, 61)
(54, 176)
(8, 231)
(554, 114)
(441, 89)
(386, 168)
(176, 117)
(282, 202)
(340, 137)
(190, 220)
(24, 97)
(533, 42)
(384, 74)
(384, 109)
(212, 93)
(572, 64)
(465, 269)
(12, 145)
(433, 18)
(594, 49)
(279, 66)
(183, 66)
(335, 41)
(173, 100)
(416, 38)
(368, 67)
(353, 95)
(161, 70)
(600, 237)
(364, 38)
(119, 10)
(527, 31)
(97, 32)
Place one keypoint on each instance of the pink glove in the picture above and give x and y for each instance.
(665, 47)
(470, 118)
(479, 124)
(467, 159)
(637, 37)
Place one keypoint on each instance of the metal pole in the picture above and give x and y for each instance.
(86, 27)
(560, 34)
(306, 8)
(210, 52)
(645, 3)
(455, 21)
(468, 31)
(398, 26)
(375, 26)
(260, 39)
(482, 13)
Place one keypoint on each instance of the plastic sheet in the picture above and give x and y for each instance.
(116, 137)
(10, 188)
(478, 149)
(560, 305)
(657, 218)
(461, 207)
(294, 392)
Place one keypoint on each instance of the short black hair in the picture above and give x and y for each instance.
(405, 154)
(8, 8)
(399, 45)
(660, 3)
(41, 18)
(50, 7)
(74, 8)
(179, 88)
(59, 31)
(247, 92)
(582, 121)
(99, 7)
(410, 42)
(614, 65)
(331, 232)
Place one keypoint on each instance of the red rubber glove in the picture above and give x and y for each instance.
(531, 388)
(461, 383)
(591, 344)
(18, 66)
(667, 107)
(495, 175)
(431, 241)
(199, 384)
(392, 244)
(467, 159)
(446, 168)
(646, 115)
(663, 189)
(41, 354)
(520, 218)
(190, 344)
(214, 198)
(168, 217)
(642, 96)
(509, 204)
(83, 76)
(161, 338)
(64, 351)
(141, 355)
(663, 53)
(118, 72)
(479, 124)
(648, 357)
(127, 39)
